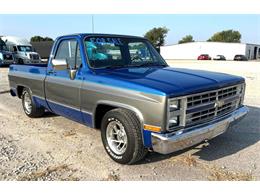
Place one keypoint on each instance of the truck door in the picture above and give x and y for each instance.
(62, 93)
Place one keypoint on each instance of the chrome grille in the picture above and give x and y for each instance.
(34, 56)
(226, 108)
(201, 99)
(223, 93)
(208, 97)
(209, 105)
(203, 107)
(200, 116)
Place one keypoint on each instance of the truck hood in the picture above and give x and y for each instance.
(173, 81)
(6, 52)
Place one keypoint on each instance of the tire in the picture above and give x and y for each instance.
(129, 134)
(29, 106)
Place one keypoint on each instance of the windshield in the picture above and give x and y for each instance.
(111, 52)
(24, 48)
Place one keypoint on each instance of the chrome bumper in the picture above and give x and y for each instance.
(171, 142)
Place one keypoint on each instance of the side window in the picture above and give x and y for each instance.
(69, 50)
(15, 49)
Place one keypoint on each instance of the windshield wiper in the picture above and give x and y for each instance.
(146, 64)
(114, 66)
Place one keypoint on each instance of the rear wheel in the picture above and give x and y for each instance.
(121, 136)
(29, 106)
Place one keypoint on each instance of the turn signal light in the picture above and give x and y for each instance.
(152, 128)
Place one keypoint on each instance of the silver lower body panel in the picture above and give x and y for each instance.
(171, 142)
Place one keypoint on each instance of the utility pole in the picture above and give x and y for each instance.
(92, 18)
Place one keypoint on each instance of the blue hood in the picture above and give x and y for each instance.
(173, 81)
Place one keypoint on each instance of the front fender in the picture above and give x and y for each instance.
(120, 105)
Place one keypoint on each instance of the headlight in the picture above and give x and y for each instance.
(173, 122)
(174, 105)
(176, 112)
(241, 91)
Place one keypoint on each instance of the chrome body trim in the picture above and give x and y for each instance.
(171, 142)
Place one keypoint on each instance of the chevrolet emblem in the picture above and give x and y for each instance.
(219, 103)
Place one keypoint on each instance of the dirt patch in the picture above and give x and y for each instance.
(50, 173)
(16, 161)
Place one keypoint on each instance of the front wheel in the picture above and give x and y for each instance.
(29, 106)
(121, 136)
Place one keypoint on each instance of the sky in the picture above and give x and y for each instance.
(201, 27)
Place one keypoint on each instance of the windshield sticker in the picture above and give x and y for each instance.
(106, 40)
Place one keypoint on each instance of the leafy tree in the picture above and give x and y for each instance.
(39, 38)
(229, 36)
(2, 45)
(2, 42)
(157, 36)
(186, 39)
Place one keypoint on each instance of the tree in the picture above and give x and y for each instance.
(157, 36)
(229, 36)
(39, 38)
(186, 39)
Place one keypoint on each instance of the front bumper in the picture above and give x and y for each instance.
(6, 62)
(171, 142)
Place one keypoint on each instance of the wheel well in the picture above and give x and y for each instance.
(20, 91)
(101, 110)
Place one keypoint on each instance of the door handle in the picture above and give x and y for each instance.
(51, 72)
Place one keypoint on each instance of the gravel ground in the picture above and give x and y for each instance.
(55, 148)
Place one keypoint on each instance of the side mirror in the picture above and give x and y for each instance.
(62, 64)
(59, 64)
(72, 73)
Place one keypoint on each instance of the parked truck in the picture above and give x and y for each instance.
(122, 86)
(6, 57)
(22, 50)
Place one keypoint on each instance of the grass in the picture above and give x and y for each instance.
(69, 133)
(215, 173)
(112, 177)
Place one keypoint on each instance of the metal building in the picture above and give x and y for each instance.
(194, 49)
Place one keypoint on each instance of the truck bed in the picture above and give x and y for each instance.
(29, 75)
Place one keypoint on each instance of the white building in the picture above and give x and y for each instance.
(194, 49)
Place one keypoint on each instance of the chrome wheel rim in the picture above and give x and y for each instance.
(27, 103)
(116, 137)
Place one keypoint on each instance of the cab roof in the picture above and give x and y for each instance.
(83, 35)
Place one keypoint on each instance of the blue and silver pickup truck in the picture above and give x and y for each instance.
(122, 86)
